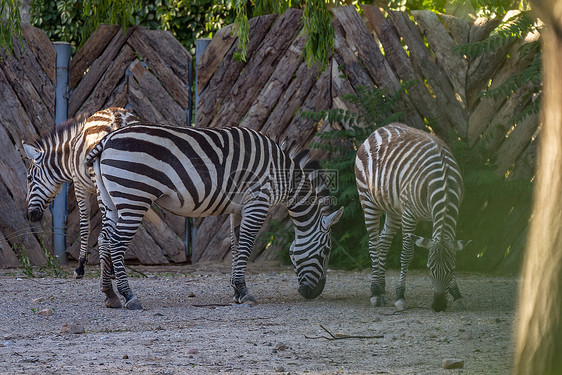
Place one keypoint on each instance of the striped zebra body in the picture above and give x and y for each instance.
(411, 176)
(59, 158)
(207, 172)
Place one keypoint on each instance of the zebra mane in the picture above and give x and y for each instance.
(312, 169)
(60, 131)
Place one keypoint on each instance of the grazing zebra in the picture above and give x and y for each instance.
(59, 158)
(412, 176)
(207, 172)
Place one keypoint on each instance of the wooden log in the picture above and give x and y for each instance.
(152, 88)
(502, 121)
(482, 27)
(437, 79)
(12, 171)
(97, 69)
(141, 105)
(276, 85)
(442, 45)
(258, 70)
(29, 98)
(458, 29)
(145, 249)
(302, 130)
(93, 49)
(14, 118)
(526, 165)
(172, 52)
(398, 59)
(213, 56)
(510, 150)
(141, 42)
(108, 81)
(38, 42)
(486, 108)
(17, 231)
(290, 101)
(33, 66)
(229, 71)
(118, 97)
(172, 246)
(212, 242)
(7, 257)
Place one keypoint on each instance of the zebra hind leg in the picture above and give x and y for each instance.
(458, 304)
(111, 299)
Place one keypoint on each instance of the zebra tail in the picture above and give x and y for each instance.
(94, 153)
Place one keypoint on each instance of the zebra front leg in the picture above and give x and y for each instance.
(382, 246)
(406, 257)
(83, 199)
(252, 218)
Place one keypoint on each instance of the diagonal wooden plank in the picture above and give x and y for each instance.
(442, 45)
(141, 105)
(177, 58)
(214, 54)
(371, 58)
(108, 81)
(398, 59)
(443, 91)
(97, 69)
(141, 43)
(275, 86)
(39, 43)
(94, 47)
(510, 150)
(118, 97)
(153, 90)
(29, 98)
(229, 71)
(258, 69)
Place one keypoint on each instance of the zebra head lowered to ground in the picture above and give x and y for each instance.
(59, 157)
(411, 175)
(201, 172)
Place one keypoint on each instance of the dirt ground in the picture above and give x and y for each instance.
(190, 326)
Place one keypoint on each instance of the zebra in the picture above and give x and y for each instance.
(200, 172)
(411, 175)
(59, 157)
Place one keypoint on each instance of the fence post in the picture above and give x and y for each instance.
(59, 209)
(200, 46)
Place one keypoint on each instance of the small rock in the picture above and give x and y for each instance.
(465, 336)
(125, 356)
(191, 295)
(279, 369)
(192, 351)
(38, 300)
(453, 363)
(45, 312)
(72, 328)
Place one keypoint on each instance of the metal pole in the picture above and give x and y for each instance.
(200, 46)
(59, 209)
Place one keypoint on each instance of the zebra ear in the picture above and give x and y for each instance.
(421, 241)
(459, 245)
(331, 219)
(31, 152)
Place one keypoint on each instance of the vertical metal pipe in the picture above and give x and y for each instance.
(59, 208)
(200, 47)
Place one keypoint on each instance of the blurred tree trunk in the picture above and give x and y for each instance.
(539, 328)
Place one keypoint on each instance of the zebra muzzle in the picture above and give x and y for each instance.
(34, 215)
(311, 291)
(439, 302)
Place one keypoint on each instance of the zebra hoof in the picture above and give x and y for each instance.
(77, 275)
(458, 305)
(400, 305)
(249, 300)
(377, 301)
(113, 302)
(133, 304)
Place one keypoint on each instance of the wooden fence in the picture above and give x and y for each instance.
(149, 72)
(146, 71)
(274, 85)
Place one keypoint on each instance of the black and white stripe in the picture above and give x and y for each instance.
(59, 158)
(206, 172)
(411, 176)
